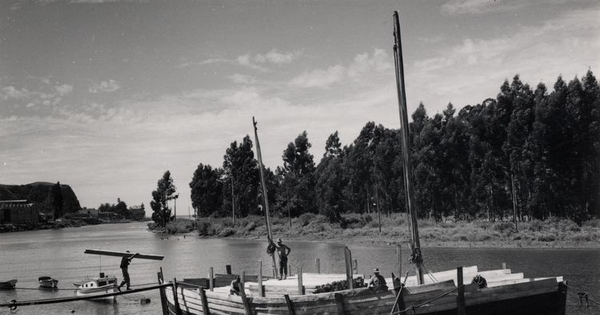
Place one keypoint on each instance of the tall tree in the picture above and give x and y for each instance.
(164, 192)
(297, 195)
(242, 180)
(206, 190)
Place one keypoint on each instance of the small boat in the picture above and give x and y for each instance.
(97, 285)
(8, 285)
(48, 282)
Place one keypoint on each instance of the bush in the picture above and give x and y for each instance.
(546, 238)
(226, 232)
(503, 227)
(204, 228)
(536, 225)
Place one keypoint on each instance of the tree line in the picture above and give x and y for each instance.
(528, 153)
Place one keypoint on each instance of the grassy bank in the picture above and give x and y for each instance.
(554, 232)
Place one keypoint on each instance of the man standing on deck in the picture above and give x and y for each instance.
(283, 251)
(125, 261)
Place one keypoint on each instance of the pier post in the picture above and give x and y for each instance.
(204, 300)
(163, 297)
(399, 255)
(261, 289)
(348, 256)
(228, 269)
(318, 265)
(175, 299)
(243, 281)
(247, 307)
(460, 300)
(355, 266)
(211, 279)
(300, 284)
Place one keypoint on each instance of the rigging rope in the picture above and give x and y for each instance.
(414, 307)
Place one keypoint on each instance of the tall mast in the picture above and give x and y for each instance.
(264, 194)
(416, 256)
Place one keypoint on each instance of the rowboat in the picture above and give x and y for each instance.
(8, 285)
(492, 292)
(47, 282)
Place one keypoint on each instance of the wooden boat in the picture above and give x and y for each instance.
(97, 285)
(48, 282)
(8, 285)
(492, 292)
(505, 293)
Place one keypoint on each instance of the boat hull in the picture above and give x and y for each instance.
(96, 286)
(48, 283)
(535, 297)
(8, 285)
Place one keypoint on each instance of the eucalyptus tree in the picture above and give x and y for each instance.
(241, 180)
(330, 180)
(297, 194)
(206, 190)
(161, 213)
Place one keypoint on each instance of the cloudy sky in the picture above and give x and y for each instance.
(106, 95)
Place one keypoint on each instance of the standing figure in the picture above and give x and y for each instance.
(125, 261)
(378, 282)
(283, 251)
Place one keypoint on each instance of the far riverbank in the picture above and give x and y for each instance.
(551, 233)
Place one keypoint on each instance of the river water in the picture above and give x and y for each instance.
(60, 254)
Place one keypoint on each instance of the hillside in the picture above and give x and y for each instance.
(41, 193)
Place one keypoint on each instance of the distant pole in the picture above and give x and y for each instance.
(175, 206)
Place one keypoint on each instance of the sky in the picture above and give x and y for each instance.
(107, 95)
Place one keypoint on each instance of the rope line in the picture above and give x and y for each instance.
(75, 289)
(414, 307)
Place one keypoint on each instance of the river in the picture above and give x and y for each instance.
(60, 254)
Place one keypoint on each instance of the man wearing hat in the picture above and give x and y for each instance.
(378, 282)
(283, 251)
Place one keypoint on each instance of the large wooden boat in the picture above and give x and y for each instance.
(505, 293)
(492, 292)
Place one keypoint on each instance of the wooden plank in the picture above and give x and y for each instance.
(122, 254)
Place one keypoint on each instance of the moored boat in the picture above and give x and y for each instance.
(504, 293)
(8, 285)
(48, 282)
(97, 285)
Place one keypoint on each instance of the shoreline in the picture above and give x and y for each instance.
(550, 234)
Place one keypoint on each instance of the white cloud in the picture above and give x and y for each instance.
(63, 89)
(276, 57)
(105, 86)
(320, 78)
(242, 79)
(455, 7)
(10, 92)
(361, 65)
